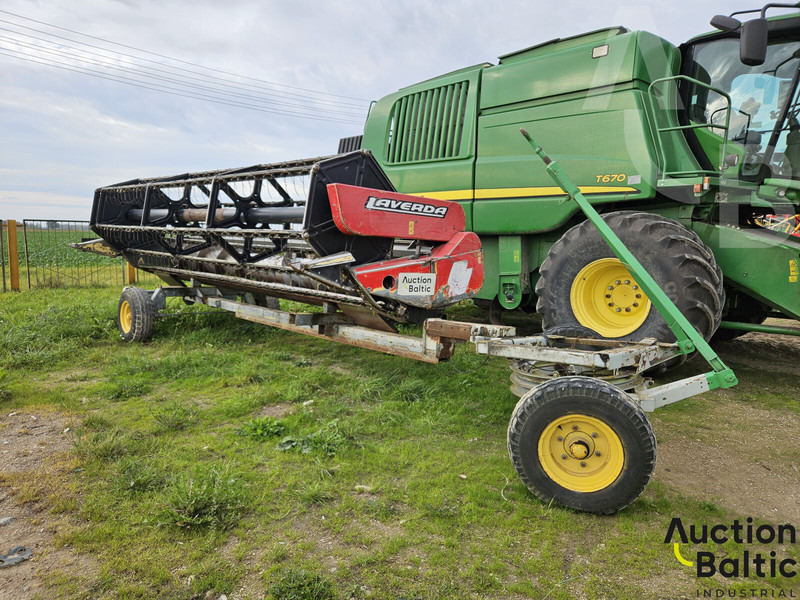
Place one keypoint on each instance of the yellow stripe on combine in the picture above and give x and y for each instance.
(527, 192)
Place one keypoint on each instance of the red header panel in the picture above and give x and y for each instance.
(369, 212)
(450, 273)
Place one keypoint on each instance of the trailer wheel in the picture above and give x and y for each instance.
(136, 315)
(582, 443)
(582, 282)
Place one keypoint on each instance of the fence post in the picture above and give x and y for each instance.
(3, 254)
(13, 255)
(27, 253)
(131, 273)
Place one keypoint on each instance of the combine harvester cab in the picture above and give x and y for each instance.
(325, 231)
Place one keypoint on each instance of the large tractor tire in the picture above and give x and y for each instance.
(582, 282)
(582, 443)
(136, 315)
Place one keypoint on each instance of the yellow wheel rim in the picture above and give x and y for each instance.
(581, 453)
(125, 316)
(605, 297)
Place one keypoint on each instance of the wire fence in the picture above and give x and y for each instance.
(44, 259)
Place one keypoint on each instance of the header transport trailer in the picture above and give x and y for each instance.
(688, 154)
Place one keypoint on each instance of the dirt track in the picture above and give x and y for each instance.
(740, 455)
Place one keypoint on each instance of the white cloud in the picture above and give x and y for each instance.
(20, 205)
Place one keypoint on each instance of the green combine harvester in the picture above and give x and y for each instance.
(689, 153)
(676, 224)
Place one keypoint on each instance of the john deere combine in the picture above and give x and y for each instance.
(686, 151)
(681, 159)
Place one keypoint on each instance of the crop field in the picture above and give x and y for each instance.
(228, 459)
(47, 260)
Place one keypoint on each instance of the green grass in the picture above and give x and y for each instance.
(261, 428)
(210, 497)
(378, 477)
(296, 584)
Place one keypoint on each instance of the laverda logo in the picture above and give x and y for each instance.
(405, 207)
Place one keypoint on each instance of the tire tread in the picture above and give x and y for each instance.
(143, 313)
(592, 391)
(698, 278)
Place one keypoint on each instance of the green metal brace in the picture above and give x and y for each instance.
(688, 339)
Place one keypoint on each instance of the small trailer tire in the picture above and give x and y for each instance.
(136, 315)
(582, 443)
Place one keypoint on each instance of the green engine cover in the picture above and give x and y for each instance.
(455, 137)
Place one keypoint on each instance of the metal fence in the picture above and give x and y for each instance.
(3, 252)
(44, 259)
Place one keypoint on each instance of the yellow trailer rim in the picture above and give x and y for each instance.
(581, 453)
(605, 297)
(125, 316)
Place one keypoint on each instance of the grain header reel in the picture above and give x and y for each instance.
(324, 231)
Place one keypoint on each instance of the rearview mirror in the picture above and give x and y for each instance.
(724, 23)
(753, 42)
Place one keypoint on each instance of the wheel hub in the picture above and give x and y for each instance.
(624, 295)
(581, 453)
(579, 449)
(605, 297)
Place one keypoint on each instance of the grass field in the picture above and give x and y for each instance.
(227, 458)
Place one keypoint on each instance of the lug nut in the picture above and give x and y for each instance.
(619, 310)
(564, 456)
(574, 428)
(583, 464)
(560, 438)
(594, 434)
(597, 453)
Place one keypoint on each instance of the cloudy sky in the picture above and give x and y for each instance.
(101, 91)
